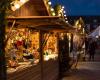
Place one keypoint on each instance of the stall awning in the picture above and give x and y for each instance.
(50, 23)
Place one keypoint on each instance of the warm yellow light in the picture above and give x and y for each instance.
(17, 6)
(52, 9)
(79, 26)
(23, 1)
(53, 14)
(59, 14)
(66, 18)
(62, 9)
(76, 23)
(83, 30)
(66, 21)
(46, 58)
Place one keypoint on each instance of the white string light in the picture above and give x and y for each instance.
(52, 9)
(49, 3)
(66, 18)
(63, 7)
(64, 11)
(66, 21)
(64, 15)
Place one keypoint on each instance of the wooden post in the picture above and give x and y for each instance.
(58, 54)
(2, 52)
(3, 8)
(41, 51)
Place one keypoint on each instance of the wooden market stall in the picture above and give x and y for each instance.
(33, 40)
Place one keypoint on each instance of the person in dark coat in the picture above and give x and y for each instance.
(92, 47)
(86, 45)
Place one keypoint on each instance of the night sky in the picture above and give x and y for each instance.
(80, 7)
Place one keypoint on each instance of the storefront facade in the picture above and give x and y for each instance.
(32, 43)
(25, 61)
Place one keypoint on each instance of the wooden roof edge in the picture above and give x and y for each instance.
(46, 8)
(64, 22)
(61, 21)
(34, 17)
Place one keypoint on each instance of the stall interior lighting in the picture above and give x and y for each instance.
(17, 4)
(22, 1)
(59, 14)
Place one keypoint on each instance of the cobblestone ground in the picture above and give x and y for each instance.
(87, 70)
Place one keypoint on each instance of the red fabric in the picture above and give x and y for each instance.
(19, 43)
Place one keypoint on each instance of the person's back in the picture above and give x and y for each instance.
(86, 44)
(92, 48)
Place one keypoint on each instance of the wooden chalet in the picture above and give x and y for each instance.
(34, 16)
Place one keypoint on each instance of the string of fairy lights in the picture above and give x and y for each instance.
(16, 4)
(61, 11)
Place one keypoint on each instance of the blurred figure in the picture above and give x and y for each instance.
(86, 48)
(86, 45)
(92, 47)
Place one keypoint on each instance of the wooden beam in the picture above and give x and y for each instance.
(42, 22)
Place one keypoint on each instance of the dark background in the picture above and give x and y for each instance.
(80, 7)
(89, 10)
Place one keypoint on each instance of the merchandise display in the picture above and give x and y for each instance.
(22, 47)
(50, 46)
